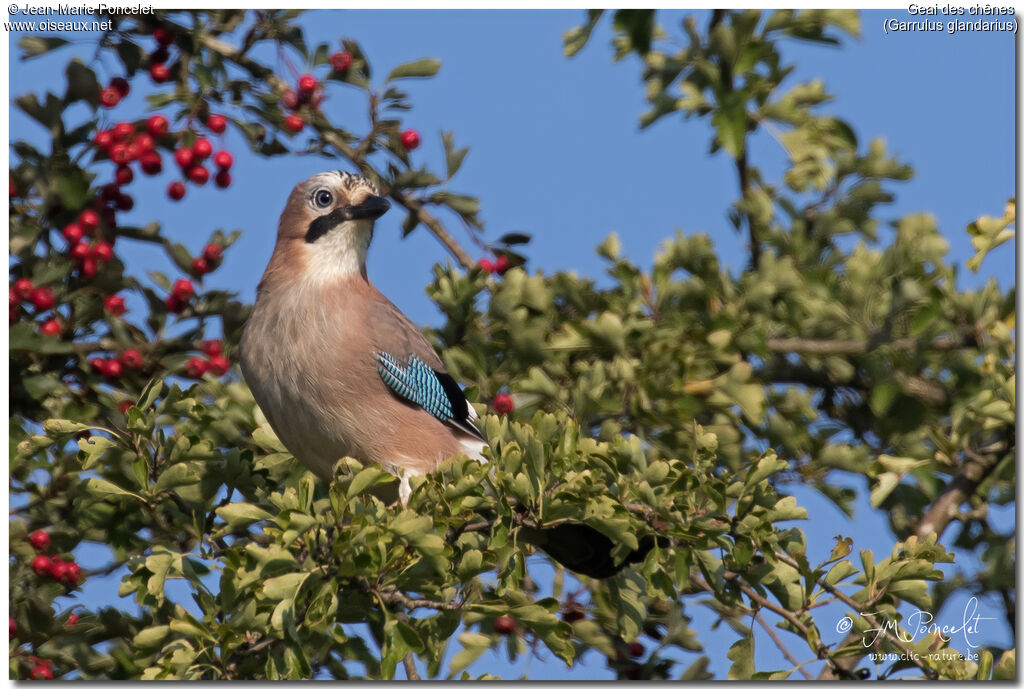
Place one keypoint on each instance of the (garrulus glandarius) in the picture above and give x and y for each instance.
(336, 368)
(339, 371)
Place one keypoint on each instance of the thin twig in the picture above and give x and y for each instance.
(410, 667)
(782, 647)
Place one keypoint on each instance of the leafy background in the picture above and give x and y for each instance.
(556, 153)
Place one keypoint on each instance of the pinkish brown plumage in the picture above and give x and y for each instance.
(311, 349)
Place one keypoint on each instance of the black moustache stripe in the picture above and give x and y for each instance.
(325, 223)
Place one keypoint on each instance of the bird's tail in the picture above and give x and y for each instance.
(583, 549)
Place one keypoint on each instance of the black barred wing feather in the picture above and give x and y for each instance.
(435, 391)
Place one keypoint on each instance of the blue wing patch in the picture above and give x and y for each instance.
(436, 392)
(417, 383)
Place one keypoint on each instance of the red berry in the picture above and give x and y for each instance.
(89, 220)
(41, 672)
(42, 566)
(50, 327)
(80, 251)
(96, 364)
(119, 153)
(218, 365)
(316, 98)
(176, 190)
(290, 99)
(307, 83)
(501, 266)
(132, 151)
(88, 266)
(636, 649)
(202, 149)
(200, 266)
(111, 191)
(211, 347)
(145, 143)
(121, 85)
(114, 305)
(14, 297)
(12, 627)
(183, 289)
(173, 304)
(72, 574)
(157, 126)
(223, 160)
(212, 252)
(40, 540)
(124, 175)
(163, 36)
(410, 139)
(222, 179)
(131, 358)
(125, 203)
(23, 288)
(184, 157)
(123, 130)
(217, 124)
(103, 138)
(505, 625)
(102, 252)
(294, 123)
(112, 368)
(486, 264)
(125, 405)
(109, 97)
(12, 315)
(71, 621)
(43, 299)
(195, 367)
(341, 61)
(159, 73)
(503, 403)
(151, 163)
(199, 174)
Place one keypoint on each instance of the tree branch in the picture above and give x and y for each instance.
(412, 205)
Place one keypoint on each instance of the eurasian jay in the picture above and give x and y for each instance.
(339, 371)
(336, 368)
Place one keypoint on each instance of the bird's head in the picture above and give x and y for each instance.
(328, 223)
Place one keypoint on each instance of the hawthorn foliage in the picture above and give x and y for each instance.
(639, 406)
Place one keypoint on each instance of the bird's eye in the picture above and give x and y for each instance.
(323, 198)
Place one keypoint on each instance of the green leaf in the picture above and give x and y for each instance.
(367, 478)
(730, 121)
(741, 654)
(104, 487)
(419, 68)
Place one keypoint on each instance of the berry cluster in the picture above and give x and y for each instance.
(53, 566)
(210, 259)
(181, 294)
(498, 266)
(113, 368)
(308, 93)
(42, 299)
(217, 364)
(158, 70)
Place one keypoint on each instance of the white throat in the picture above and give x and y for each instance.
(341, 253)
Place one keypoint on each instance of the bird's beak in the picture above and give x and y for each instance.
(372, 207)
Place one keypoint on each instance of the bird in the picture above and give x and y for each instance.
(337, 369)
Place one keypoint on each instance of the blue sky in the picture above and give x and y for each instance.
(556, 152)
